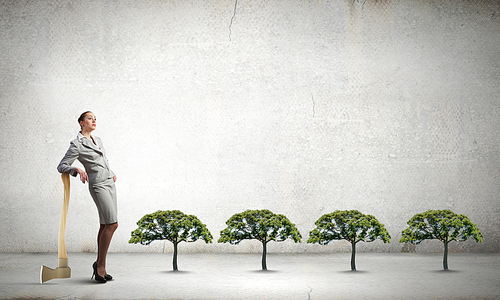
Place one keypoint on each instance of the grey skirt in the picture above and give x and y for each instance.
(104, 195)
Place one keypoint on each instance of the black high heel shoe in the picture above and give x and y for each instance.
(98, 277)
(107, 276)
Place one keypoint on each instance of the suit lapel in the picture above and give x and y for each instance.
(88, 143)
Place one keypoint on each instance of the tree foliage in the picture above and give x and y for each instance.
(171, 225)
(262, 225)
(443, 225)
(349, 225)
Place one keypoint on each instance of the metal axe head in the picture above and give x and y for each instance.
(63, 271)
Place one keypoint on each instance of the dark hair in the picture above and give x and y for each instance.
(82, 116)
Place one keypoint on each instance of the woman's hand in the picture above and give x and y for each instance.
(83, 175)
(114, 178)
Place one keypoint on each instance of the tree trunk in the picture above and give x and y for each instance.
(175, 257)
(264, 250)
(353, 256)
(445, 257)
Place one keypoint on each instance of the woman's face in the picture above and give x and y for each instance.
(89, 122)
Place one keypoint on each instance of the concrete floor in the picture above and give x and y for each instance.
(238, 276)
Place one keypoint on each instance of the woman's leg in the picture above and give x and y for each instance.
(104, 236)
(101, 228)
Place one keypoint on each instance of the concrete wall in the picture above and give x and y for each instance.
(214, 107)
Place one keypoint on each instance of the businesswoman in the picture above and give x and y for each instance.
(88, 149)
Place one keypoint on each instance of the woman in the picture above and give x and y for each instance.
(90, 152)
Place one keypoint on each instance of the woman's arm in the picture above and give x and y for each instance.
(68, 159)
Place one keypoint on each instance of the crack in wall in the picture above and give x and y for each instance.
(234, 14)
(309, 293)
(362, 6)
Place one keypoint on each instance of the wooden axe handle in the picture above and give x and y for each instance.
(61, 249)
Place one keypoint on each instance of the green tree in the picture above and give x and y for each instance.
(443, 225)
(349, 225)
(261, 225)
(172, 225)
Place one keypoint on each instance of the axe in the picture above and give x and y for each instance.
(62, 271)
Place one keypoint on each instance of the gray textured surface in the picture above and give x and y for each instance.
(238, 276)
(214, 107)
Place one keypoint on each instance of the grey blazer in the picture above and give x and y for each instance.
(93, 158)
